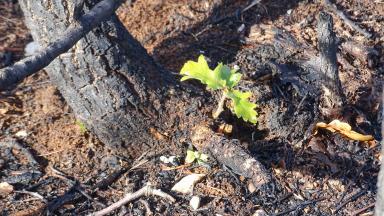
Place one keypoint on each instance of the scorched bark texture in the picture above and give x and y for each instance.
(107, 78)
(118, 91)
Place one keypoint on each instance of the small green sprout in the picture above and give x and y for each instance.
(195, 155)
(81, 125)
(225, 79)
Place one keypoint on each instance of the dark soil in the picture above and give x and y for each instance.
(330, 175)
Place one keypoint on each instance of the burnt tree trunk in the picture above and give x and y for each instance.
(379, 205)
(116, 89)
(107, 78)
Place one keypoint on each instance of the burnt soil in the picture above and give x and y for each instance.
(330, 175)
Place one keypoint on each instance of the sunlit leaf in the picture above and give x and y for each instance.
(190, 158)
(344, 129)
(242, 107)
(200, 70)
(221, 77)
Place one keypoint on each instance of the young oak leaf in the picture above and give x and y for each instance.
(200, 70)
(230, 77)
(242, 107)
(195, 155)
(222, 76)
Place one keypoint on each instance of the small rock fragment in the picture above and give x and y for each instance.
(186, 184)
(170, 160)
(32, 48)
(195, 202)
(251, 187)
(260, 212)
(5, 188)
(21, 134)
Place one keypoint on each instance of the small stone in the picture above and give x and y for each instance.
(251, 187)
(186, 184)
(32, 48)
(241, 28)
(195, 202)
(21, 134)
(260, 212)
(5, 188)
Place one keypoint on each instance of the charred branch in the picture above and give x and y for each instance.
(99, 13)
(229, 153)
(328, 62)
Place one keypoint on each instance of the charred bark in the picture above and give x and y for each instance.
(113, 86)
(17, 72)
(379, 206)
(328, 61)
(107, 78)
(230, 153)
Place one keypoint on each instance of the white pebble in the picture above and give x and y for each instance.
(195, 202)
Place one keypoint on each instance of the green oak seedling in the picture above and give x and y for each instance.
(225, 79)
(195, 156)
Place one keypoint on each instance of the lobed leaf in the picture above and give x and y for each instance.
(242, 107)
(221, 77)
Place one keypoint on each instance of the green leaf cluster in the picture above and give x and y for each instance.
(225, 79)
(81, 125)
(195, 155)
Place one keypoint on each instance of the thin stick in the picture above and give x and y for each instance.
(349, 199)
(220, 106)
(147, 190)
(359, 211)
(348, 21)
(37, 195)
(299, 206)
(12, 143)
(99, 13)
(147, 207)
(75, 184)
(71, 194)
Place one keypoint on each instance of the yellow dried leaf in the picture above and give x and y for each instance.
(225, 129)
(344, 129)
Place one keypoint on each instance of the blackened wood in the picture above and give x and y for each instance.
(379, 207)
(107, 78)
(230, 153)
(101, 12)
(328, 61)
(116, 89)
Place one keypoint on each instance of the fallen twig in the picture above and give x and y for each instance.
(34, 194)
(349, 199)
(147, 190)
(147, 207)
(72, 193)
(359, 211)
(229, 153)
(12, 143)
(348, 21)
(75, 185)
(99, 13)
(299, 206)
(235, 14)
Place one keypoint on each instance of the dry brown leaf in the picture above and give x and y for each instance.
(3, 110)
(225, 129)
(344, 129)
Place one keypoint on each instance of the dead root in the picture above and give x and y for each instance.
(231, 154)
(147, 190)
